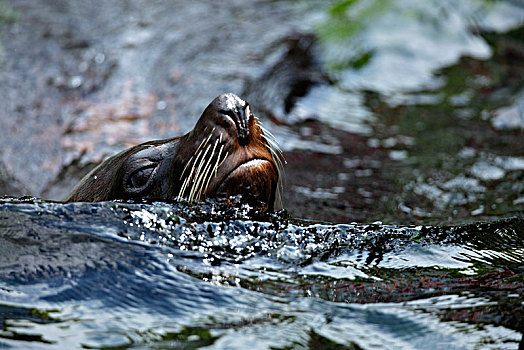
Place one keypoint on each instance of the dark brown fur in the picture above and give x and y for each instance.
(225, 138)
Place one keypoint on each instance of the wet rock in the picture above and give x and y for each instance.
(296, 70)
(511, 117)
(10, 186)
(123, 123)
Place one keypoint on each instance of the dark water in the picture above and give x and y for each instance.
(161, 275)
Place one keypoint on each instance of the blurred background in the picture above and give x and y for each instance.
(398, 111)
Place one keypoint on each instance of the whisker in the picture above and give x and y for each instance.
(182, 189)
(185, 183)
(187, 164)
(276, 152)
(218, 159)
(202, 179)
(188, 179)
(274, 147)
(280, 184)
(197, 176)
(209, 137)
(223, 160)
(213, 169)
(272, 142)
(204, 140)
(192, 162)
(278, 157)
(268, 133)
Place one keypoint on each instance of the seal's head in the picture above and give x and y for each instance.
(227, 153)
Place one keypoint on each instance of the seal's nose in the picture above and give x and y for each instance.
(233, 107)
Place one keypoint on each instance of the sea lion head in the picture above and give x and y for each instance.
(227, 153)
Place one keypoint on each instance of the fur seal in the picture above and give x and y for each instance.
(227, 153)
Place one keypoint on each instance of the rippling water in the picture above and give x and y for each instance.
(122, 274)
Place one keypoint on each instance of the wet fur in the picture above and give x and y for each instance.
(196, 165)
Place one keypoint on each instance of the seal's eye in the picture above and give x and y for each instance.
(141, 178)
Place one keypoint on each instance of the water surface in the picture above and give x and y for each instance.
(120, 274)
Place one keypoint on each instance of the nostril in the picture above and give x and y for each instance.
(240, 120)
(243, 137)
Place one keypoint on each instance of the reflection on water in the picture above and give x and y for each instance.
(434, 91)
(81, 273)
(394, 47)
